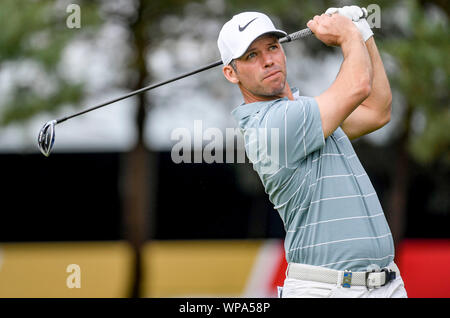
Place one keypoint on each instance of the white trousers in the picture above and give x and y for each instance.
(296, 288)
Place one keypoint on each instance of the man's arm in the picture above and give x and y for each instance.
(354, 81)
(375, 111)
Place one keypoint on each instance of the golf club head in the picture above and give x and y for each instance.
(46, 138)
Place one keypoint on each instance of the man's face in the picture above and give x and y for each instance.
(261, 71)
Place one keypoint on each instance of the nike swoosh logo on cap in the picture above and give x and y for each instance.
(245, 26)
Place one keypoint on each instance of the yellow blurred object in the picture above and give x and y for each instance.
(30, 270)
(198, 268)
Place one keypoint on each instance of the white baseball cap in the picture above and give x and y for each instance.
(238, 33)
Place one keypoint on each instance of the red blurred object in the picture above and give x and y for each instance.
(280, 274)
(425, 267)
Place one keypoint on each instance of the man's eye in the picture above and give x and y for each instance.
(273, 47)
(251, 55)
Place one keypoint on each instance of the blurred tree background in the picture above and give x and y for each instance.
(413, 40)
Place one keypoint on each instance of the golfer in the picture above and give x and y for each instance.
(338, 242)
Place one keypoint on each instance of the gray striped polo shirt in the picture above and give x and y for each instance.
(330, 210)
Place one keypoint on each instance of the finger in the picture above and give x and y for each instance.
(312, 25)
(364, 13)
(331, 11)
(355, 12)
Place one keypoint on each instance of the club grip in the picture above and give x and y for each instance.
(296, 35)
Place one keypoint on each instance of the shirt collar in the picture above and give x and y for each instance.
(245, 110)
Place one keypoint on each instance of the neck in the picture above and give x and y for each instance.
(249, 97)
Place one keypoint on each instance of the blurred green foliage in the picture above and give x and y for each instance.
(423, 78)
(35, 32)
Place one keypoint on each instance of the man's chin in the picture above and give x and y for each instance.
(275, 87)
(276, 91)
(267, 92)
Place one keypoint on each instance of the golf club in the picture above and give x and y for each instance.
(46, 137)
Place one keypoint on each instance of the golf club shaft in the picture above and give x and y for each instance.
(141, 90)
(291, 37)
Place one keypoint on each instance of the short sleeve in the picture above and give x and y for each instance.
(299, 129)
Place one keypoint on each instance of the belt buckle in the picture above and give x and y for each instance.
(388, 276)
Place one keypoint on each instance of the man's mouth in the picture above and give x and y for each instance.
(271, 74)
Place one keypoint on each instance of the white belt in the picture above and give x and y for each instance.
(371, 279)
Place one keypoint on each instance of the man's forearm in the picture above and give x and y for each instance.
(380, 97)
(351, 87)
(357, 66)
(375, 111)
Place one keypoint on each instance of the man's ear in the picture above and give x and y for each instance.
(230, 74)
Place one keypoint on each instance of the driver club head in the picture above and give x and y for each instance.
(46, 137)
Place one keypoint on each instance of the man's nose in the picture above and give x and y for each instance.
(267, 60)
